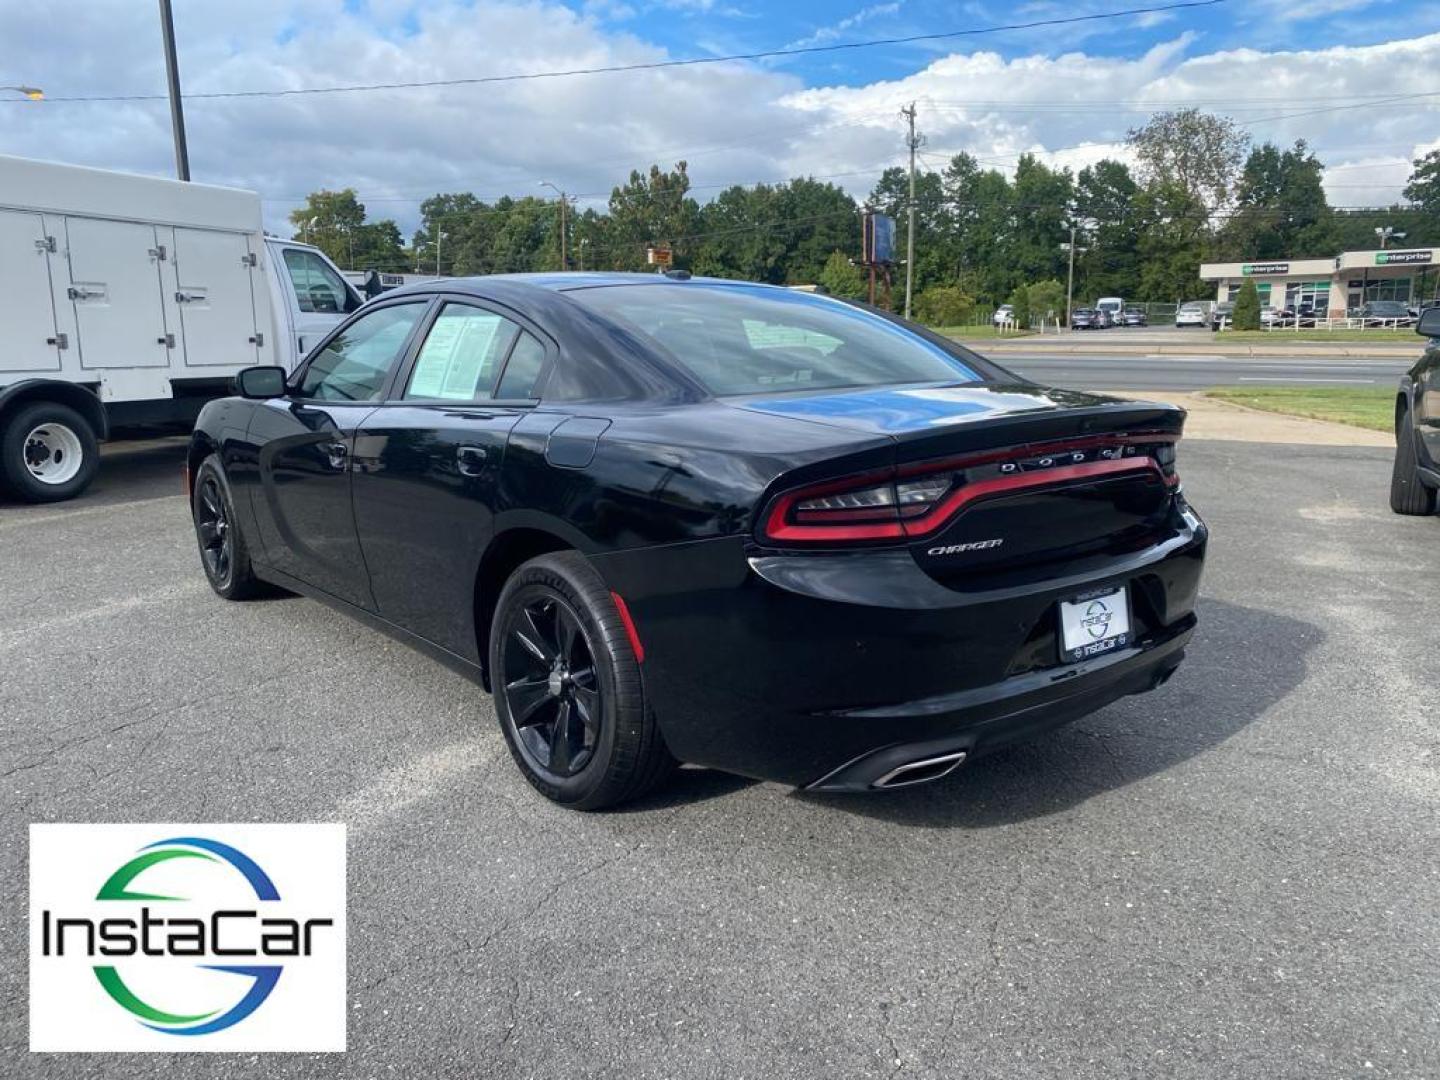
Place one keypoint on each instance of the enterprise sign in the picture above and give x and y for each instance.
(1400, 258)
(1264, 268)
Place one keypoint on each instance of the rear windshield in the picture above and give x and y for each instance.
(754, 339)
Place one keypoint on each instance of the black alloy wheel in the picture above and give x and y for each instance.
(1408, 491)
(223, 554)
(212, 527)
(569, 693)
(551, 690)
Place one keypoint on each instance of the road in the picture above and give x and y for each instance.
(1199, 372)
(1232, 876)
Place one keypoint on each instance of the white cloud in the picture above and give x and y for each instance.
(732, 122)
(836, 30)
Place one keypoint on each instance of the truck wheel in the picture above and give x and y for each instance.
(48, 452)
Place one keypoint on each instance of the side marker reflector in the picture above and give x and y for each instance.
(630, 631)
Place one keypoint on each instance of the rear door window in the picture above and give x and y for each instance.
(462, 355)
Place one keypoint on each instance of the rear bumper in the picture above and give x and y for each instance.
(827, 670)
(1019, 707)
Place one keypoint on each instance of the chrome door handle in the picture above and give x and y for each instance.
(338, 453)
(470, 459)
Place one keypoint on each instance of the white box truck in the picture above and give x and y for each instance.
(130, 301)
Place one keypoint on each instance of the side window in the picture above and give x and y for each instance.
(317, 287)
(462, 354)
(355, 363)
(522, 370)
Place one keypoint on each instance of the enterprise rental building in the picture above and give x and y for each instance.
(1335, 285)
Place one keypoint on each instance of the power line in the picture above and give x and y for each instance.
(654, 65)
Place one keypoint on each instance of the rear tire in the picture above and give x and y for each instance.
(223, 554)
(1408, 493)
(48, 452)
(568, 689)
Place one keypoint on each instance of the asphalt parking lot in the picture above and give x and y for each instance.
(1234, 876)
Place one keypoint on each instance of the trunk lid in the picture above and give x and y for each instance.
(940, 421)
(1038, 476)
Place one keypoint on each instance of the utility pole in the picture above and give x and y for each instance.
(564, 261)
(172, 75)
(912, 141)
(439, 236)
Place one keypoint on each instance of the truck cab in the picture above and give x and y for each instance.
(308, 296)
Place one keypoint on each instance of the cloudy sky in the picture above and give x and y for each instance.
(1355, 78)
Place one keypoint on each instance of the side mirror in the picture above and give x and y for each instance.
(1428, 324)
(260, 382)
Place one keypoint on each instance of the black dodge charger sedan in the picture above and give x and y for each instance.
(667, 519)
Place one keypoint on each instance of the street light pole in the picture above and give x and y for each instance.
(1385, 232)
(34, 93)
(172, 75)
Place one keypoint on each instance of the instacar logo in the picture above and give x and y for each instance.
(184, 943)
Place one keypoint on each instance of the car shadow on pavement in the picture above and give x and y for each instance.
(691, 784)
(1242, 661)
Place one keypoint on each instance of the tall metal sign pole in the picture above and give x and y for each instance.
(172, 75)
(913, 142)
(1070, 281)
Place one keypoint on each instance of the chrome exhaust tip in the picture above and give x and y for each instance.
(922, 771)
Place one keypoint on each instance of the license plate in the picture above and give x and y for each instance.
(1094, 625)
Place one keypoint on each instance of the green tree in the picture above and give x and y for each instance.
(1040, 219)
(1020, 302)
(334, 221)
(1246, 315)
(1108, 232)
(976, 228)
(1195, 151)
(1423, 187)
(1046, 299)
(944, 305)
(1280, 207)
(1174, 231)
(651, 209)
(841, 277)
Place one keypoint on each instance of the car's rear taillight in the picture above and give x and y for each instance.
(913, 501)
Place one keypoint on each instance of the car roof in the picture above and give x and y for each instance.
(561, 281)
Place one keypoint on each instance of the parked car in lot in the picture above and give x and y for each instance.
(1112, 307)
(1191, 313)
(1134, 316)
(1385, 313)
(131, 300)
(1415, 477)
(1270, 315)
(1004, 316)
(1221, 314)
(760, 530)
(1086, 319)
